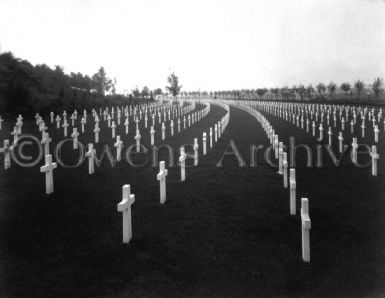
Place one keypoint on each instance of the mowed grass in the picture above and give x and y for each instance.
(225, 232)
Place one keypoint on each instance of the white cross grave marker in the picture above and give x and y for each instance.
(118, 144)
(74, 136)
(182, 160)
(306, 226)
(162, 181)
(293, 196)
(125, 207)
(48, 170)
(7, 156)
(196, 152)
(91, 153)
(375, 156)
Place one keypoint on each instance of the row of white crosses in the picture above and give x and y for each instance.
(152, 131)
(294, 112)
(375, 156)
(128, 199)
(279, 154)
(7, 147)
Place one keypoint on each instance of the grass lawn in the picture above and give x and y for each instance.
(224, 232)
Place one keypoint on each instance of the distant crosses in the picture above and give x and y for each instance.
(162, 181)
(340, 142)
(216, 133)
(7, 154)
(125, 207)
(211, 137)
(276, 143)
(293, 195)
(196, 153)
(1, 120)
(306, 226)
(280, 158)
(118, 144)
(109, 121)
(285, 167)
(184, 122)
(113, 127)
(137, 139)
(354, 150)
(152, 132)
(307, 125)
(65, 126)
(375, 156)
(137, 123)
(352, 127)
(204, 143)
(48, 170)
(330, 136)
(90, 154)
(74, 136)
(126, 124)
(15, 136)
(163, 131)
(376, 131)
(363, 129)
(313, 128)
(97, 120)
(83, 122)
(42, 127)
(182, 161)
(172, 127)
(45, 142)
(321, 132)
(96, 131)
(178, 125)
(73, 119)
(52, 115)
(145, 121)
(19, 124)
(343, 123)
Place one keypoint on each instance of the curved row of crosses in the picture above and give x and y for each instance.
(319, 115)
(128, 199)
(133, 115)
(283, 168)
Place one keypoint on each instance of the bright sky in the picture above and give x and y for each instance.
(210, 44)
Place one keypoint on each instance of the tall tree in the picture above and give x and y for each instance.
(321, 88)
(135, 92)
(261, 92)
(157, 91)
(301, 90)
(359, 86)
(173, 86)
(376, 87)
(310, 91)
(101, 82)
(145, 92)
(332, 87)
(345, 87)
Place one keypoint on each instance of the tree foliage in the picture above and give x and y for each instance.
(28, 89)
(173, 86)
(376, 87)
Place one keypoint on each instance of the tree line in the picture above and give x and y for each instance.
(27, 89)
(356, 92)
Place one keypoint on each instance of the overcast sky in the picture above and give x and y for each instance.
(210, 44)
